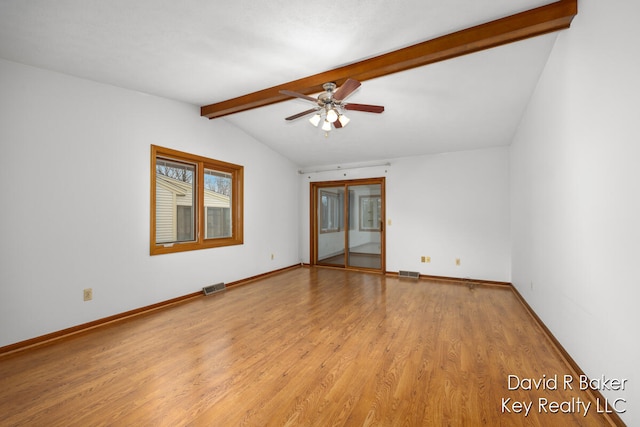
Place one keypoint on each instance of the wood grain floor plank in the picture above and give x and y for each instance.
(307, 347)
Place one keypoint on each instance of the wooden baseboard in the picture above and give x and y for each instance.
(263, 275)
(611, 415)
(459, 280)
(65, 333)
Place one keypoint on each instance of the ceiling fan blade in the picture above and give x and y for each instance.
(364, 107)
(298, 95)
(304, 113)
(337, 124)
(346, 89)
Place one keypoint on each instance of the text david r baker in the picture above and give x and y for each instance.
(551, 383)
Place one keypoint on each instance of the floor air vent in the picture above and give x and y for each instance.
(409, 274)
(208, 290)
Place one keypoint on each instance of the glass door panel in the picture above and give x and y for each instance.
(365, 226)
(331, 226)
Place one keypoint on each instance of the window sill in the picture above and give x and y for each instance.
(192, 246)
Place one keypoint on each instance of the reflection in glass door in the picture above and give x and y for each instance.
(347, 224)
(330, 226)
(365, 230)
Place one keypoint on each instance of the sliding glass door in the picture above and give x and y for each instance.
(348, 224)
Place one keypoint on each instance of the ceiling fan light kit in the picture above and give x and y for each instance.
(330, 105)
(315, 120)
(332, 116)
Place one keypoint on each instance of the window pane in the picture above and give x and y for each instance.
(324, 213)
(331, 215)
(184, 224)
(217, 202)
(175, 201)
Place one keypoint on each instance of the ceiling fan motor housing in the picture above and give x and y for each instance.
(329, 87)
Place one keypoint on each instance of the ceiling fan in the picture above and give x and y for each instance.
(331, 106)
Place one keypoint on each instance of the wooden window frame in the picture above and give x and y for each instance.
(237, 208)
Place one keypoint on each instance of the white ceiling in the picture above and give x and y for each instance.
(204, 51)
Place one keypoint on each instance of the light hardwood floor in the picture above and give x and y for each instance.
(310, 346)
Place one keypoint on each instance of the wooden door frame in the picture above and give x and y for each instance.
(314, 188)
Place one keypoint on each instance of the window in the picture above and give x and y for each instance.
(370, 213)
(196, 202)
(331, 212)
(218, 222)
(184, 224)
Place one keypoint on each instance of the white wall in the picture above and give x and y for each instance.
(74, 168)
(575, 194)
(445, 206)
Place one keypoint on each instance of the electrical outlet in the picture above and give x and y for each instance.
(428, 259)
(457, 261)
(88, 294)
(423, 259)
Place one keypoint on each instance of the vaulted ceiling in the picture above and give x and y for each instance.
(206, 52)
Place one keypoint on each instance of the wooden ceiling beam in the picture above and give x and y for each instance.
(531, 23)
